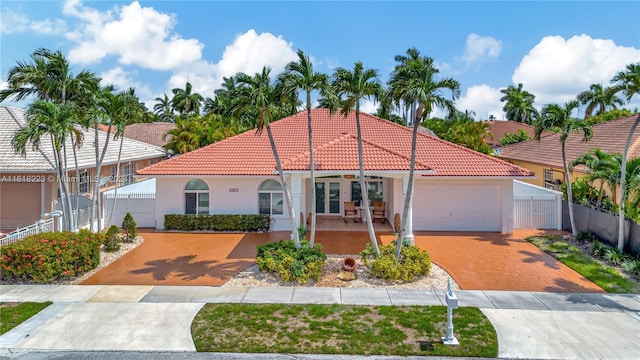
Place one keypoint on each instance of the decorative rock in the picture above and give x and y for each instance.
(347, 275)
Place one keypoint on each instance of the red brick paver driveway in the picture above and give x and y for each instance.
(476, 261)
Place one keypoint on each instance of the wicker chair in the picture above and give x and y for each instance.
(350, 211)
(378, 211)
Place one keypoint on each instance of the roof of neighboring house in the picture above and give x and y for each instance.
(386, 146)
(610, 136)
(41, 159)
(500, 128)
(150, 133)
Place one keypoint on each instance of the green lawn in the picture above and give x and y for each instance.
(12, 314)
(605, 276)
(341, 329)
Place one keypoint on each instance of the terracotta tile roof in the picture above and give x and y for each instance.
(610, 136)
(150, 133)
(500, 128)
(387, 146)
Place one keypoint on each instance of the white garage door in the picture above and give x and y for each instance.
(457, 207)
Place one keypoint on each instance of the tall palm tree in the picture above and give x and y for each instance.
(519, 104)
(300, 76)
(163, 109)
(598, 98)
(48, 77)
(602, 166)
(258, 93)
(49, 118)
(556, 118)
(127, 112)
(627, 82)
(351, 87)
(185, 101)
(413, 81)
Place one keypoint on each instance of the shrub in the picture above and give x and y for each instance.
(292, 264)
(49, 257)
(111, 242)
(130, 228)
(586, 236)
(612, 256)
(413, 262)
(238, 223)
(631, 265)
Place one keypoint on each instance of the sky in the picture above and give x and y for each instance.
(555, 49)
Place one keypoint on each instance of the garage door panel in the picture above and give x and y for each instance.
(457, 207)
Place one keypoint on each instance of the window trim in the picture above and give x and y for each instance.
(197, 197)
(271, 192)
(83, 180)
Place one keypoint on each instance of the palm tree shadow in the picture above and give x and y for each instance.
(563, 285)
(183, 268)
(546, 260)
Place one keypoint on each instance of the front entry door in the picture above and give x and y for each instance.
(327, 197)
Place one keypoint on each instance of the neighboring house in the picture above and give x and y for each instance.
(29, 186)
(150, 133)
(544, 157)
(455, 188)
(499, 128)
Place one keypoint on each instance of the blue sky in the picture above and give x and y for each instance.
(556, 49)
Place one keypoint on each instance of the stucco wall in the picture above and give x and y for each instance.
(20, 202)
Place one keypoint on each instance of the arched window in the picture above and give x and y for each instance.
(270, 199)
(196, 197)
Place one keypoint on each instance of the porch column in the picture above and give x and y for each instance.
(409, 225)
(296, 196)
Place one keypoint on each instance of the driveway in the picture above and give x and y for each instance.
(476, 261)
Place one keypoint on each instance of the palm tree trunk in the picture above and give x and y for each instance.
(409, 196)
(285, 188)
(75, 162)
(574, 231)
(115, 190)
(623, 175)
(60, 178)
(363, 185)
(312, 235)
(72, 224)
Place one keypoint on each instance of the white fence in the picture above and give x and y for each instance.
(40, 226)
(537, 212)
(140, 205)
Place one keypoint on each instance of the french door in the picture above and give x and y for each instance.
(327, 197)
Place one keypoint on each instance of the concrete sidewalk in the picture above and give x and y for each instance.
(530, 325)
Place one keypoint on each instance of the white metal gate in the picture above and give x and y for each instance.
(140, 205)
(537, 212)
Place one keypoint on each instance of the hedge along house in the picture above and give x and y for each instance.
(455, 188)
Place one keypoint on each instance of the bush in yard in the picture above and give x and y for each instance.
(111, 242)
(413, 262)
(130, 228)
(49, 257)
(292, 264)
(217, 222)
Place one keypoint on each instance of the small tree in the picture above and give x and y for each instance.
(111, 239)
(130, 228)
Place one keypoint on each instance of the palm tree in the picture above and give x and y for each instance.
(300, 76)
(602, 166)
(627, 82)
(413, 81)
(257, 93)
(48, 77)
(519, 104)
(49, 118)
(127, 112)
(351, 87)
(599, 98)
(185, 137)
(163, 109)
(556, 118)
(185, 101)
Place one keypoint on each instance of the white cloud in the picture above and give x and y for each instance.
(248, 53)
(123, 80)
(14, 22)
(137, 35)
(484, 100)
(556, 70)
(368, 106)
(478, 48)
